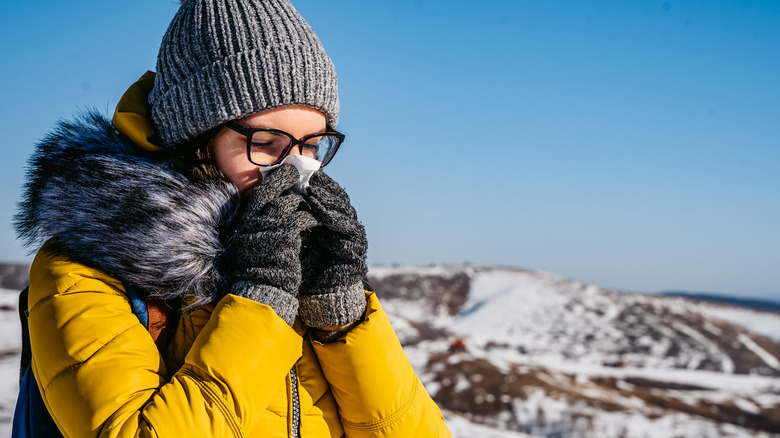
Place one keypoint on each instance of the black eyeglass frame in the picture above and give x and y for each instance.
(250, 132)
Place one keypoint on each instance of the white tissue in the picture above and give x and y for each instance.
(306, 167)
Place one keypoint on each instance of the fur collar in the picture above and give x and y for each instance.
(95, 199)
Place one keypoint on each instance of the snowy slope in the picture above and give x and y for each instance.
(556, 319)
(10, 346)
(551, 356)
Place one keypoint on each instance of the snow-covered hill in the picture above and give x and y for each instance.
(553, 357)
(10, 348)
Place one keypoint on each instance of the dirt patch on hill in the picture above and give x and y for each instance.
(441, 293)
(13, 276)
(485, 392)
(670, 396)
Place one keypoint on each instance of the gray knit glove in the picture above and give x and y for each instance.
(332, 259)
(267, 243)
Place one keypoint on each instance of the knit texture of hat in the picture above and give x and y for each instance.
(222, 60)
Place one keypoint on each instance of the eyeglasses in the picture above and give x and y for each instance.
(266, 147)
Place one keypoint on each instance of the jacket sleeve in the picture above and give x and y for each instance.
(378, 392)
(100, 373)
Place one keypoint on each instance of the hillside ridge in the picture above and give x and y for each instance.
(541, 354)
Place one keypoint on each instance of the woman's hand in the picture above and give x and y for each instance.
(267, 243)
(333, 259)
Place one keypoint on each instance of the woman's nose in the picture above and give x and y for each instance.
(295, 150)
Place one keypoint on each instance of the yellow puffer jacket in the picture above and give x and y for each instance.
(227, 371)
(101, 374)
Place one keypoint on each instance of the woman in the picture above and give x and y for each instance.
(184, 198)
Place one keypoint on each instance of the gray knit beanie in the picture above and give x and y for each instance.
(222, 60)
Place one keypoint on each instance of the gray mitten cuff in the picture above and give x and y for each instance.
(333, 307)
(284, 304)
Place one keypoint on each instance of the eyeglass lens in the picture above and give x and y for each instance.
(267, 147)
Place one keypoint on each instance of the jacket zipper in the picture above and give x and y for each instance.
(296, 404)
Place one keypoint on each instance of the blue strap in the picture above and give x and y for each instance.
(138, 304)
(31, 419)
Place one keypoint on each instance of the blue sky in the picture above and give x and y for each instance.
(633, 145)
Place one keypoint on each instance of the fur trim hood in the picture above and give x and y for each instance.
(99, 201)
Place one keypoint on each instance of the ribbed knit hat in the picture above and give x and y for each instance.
(222, 60)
